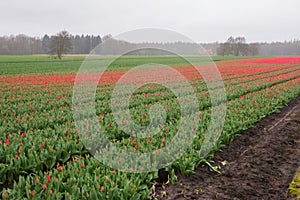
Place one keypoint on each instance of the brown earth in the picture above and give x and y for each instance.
(261, 163)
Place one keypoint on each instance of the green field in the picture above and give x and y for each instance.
(42, 155)
(13, 65)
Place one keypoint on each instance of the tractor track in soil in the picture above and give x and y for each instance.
(262, 162)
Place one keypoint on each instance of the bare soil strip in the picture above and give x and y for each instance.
(261, 163)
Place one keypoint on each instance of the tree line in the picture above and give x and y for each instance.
(25, 45)
(63, 42)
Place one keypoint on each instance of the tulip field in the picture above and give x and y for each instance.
(42, 156)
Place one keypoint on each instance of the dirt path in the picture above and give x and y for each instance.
(262, 163)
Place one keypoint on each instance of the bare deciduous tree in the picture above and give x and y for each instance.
(240, 46)
(60, 44)
(237, 47)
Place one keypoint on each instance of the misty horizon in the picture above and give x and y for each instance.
(200, 42)
(204, 21)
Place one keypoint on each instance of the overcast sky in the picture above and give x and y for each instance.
(200, 20)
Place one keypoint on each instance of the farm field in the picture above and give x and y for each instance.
(42, 157)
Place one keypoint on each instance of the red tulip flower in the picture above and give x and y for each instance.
(7, 142)
(102, 188)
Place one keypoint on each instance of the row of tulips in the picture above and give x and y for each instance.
(42, 155)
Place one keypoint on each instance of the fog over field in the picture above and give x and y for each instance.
(149, 99)
(204, 21)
